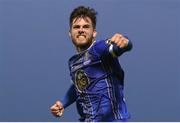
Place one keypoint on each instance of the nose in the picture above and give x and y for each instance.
(81, 30)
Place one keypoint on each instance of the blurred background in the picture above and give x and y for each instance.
(35, 48)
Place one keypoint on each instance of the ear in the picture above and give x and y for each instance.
(69, 33)
(94, 33)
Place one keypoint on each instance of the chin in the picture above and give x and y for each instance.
(82, 45)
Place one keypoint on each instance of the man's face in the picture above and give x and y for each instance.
(82, 32)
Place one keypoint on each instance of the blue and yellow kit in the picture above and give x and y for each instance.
(98, 83)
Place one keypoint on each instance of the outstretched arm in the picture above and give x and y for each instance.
(58, 108)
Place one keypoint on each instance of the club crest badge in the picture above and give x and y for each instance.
(81, 80)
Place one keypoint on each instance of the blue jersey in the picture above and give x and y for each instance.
(98, 83)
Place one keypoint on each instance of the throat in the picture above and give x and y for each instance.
(83, 48)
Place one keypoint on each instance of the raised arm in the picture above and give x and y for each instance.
(119, 44)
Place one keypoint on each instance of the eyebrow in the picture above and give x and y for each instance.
(75, 26)
(81, 17)
(85, 25)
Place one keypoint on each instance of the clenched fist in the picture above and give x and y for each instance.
(119, 40)
(57, 109)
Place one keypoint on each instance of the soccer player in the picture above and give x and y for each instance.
(98, 79)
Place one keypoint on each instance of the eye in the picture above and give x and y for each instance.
(76, 27)
(86, 26)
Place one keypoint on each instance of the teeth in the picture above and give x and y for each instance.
(81, 36)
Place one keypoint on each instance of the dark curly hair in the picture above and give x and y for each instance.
(83, 12)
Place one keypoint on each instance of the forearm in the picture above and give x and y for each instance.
(70, 97)
(118, 51)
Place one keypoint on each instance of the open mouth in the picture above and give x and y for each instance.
(79, 36)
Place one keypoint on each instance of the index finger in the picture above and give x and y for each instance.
(117, 35)
(55, 108)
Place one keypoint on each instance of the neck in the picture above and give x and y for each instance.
(83, 48)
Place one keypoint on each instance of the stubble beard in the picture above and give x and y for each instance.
(83, 46)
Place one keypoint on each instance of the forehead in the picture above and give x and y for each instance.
(81, 20)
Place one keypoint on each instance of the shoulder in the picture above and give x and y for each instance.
(73, 59)
(100, 44)
(100, 47)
